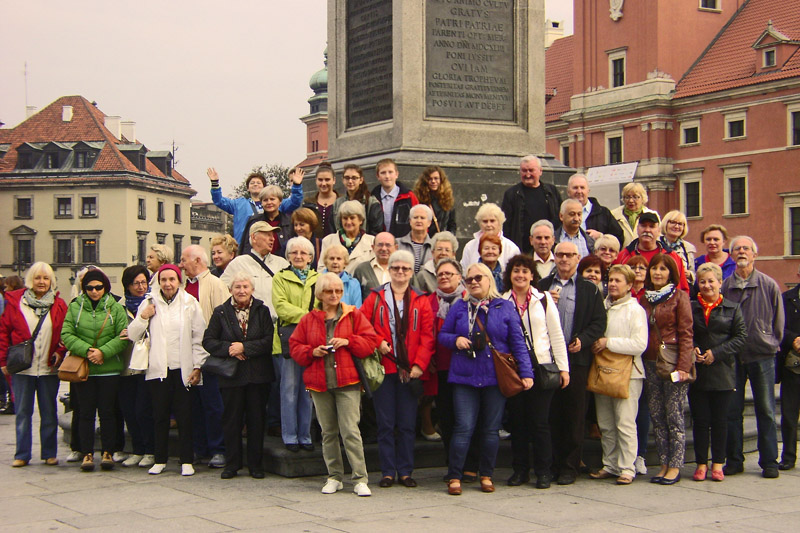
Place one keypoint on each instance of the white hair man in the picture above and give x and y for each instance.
(543, 240)
(570, 230)
(760, 300)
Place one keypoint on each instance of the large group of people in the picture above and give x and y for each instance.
(286, 321)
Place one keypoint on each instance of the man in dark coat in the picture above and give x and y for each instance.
(597, 219)
(790, 377)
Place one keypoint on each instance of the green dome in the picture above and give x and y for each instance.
(319, 81)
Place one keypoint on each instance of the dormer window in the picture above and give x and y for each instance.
(51, 160)
(25, 160)
(28, 156)
(769, 58)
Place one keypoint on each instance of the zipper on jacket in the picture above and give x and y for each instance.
(416, 316)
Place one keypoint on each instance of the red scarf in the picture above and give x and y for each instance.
(522, 306)
(708, 307)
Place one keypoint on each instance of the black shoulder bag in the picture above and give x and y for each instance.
(20, 356)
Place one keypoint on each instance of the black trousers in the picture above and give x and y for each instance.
(568, 421)
(709, 417)
(530, 424)
(98, 394)
(244, 404)
(790, 412)
(74, 403)
(170, 396)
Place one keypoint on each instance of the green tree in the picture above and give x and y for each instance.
(273, 175)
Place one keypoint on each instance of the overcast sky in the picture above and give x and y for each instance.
(226, 81)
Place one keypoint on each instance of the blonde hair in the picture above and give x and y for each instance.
(335, 248)
(227, 242)
(490, 210)
(625, 270)
(635, 188)
(40, 267)
(484, 270)
(675, 215)
(709, 267)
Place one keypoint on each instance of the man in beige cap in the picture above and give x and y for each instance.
(259, 263)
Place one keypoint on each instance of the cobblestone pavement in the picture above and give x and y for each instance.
(42, 498)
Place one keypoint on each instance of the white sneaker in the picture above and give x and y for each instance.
(639, 465)
(504, 435)
(74, 457)
(433, 437)
(362, 489)
(331, 486)
(187, 469)
(147, 460)
(119, 457)
(157, 468)
(132, 460)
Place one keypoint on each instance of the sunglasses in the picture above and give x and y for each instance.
(400, 269)
(337, 292)
(92, 288)
(477, 279)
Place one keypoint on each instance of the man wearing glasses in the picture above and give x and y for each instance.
(583, 319)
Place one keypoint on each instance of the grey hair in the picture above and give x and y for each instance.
(490, 210)
(710, 267)
(335, 248)
(352, 207)
(271, 190)
(195, 251)
(544, 222)
(607, 240)
(531, 159)
(452, 262)
(493, 293)
(401, 256)
(323, 282)
(447, 237)
(576, 176)
(303, 243)
(740, 237)
(241, 275)
(40, 267)
(163, 253)
(428, 212)
(567, 202)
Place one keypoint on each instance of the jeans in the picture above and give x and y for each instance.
(98, 394)
(396, 409)
(295, 403)
(709, 416)
(244, 404)
(472, 403)
(207, 417)
(530, 428)
(45, 388)
(790, 412)
(761, 374)
(444, 408)
(274, 401)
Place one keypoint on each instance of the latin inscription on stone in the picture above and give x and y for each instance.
(369, 61)
(469, 70)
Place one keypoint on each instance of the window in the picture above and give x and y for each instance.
(794, 221)
(565, 155)
(51, 160)
(769, 58)
(195, 240)
(690, 132)
(64, 251)
(177, 213)
(24, 207)
(735, 127)
(691, 198)
(24, 255)
(89, 250)
(161, 216)
(793, 120)
(25, 160)
(84, 159)
(315, 146)
(64, 207)
(614, 150)
(89, 206)
(737, 196)
(142, 209)
(161, 238)
(177, 241)
(616, 67)
(141, 247)
(709, 4)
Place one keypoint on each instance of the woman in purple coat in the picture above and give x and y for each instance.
(482, 313)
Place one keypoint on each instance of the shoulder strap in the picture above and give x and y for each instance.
(39, 326)
(311, 302)
(483, 330)
(435, 220)
(262, 263)
(253, 206)
(94, 344)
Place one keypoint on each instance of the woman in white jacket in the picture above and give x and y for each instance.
(529, 409)
(626, 334)
(176, 325)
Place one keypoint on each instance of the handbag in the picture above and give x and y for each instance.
(667, 358)
(610, 374)
(20, 356)
(546, 376)
(792, 362)
(75, 368)
(140, 353)
(505, 367)
(225, 367)
(370, 369)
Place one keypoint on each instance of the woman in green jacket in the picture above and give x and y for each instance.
(293, 298)
(92, 330)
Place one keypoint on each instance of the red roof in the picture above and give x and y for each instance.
(87, 124)
(558, 69)
(730, 60)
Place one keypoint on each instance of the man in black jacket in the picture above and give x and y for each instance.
(528, 201)
(597, 219)
(395, 198)
(790, 377)
(583, 319)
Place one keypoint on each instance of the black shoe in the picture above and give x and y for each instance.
(771, 472)
(732, 469)
(294, 448)
(257, 473)
(228, 474)
(518, 478)
(566, 478)
(8, 409)
(386, 482)
(308, 447)
(785, 466)
(409, 482)
(543, 481)
(667, 481)
(656, 479)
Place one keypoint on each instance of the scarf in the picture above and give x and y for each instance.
(41, 305)
(671, 246)
(446, 300)
(476, 305)
(348, 242)
(522, 306)
(132, 302)
(708, 307)
(632, 216)
(401, 329)
(242, 314)
(657, 297)
(302, 274)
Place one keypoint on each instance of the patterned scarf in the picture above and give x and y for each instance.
(41, 305)
(522, 306)
(446, 300)
(671, 246)
(656, 297)
(347, 242)
(476, 305)
(708, 307)
(302, 274)
(242, 314)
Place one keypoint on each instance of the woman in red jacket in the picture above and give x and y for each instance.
(36, 305)
(403, 318)
(325, 342)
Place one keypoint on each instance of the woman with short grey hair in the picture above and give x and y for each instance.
(417, 241)
(490, 219)
(335, 261)
(443, 246)
(351, 235)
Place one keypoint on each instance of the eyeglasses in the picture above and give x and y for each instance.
(405, 270)
(476, 279)
(568, 255)
(639, 267)
(93, 288)
(298, 252)
(383, 245)
(446, 275)
(634, 197)
(742, 249)
(337, 292)
(139, 283)
(676, 223)
(351, 178)
(605, 249)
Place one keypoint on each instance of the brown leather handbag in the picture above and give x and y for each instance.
(505, 367)
(610, 374)
(75, 368)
